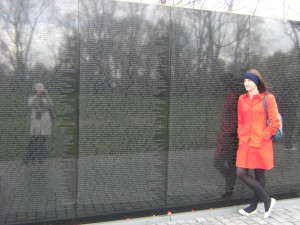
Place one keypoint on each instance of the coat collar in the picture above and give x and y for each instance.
(259, 96)
(256, 99)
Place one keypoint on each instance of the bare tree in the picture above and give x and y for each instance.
(230, 4)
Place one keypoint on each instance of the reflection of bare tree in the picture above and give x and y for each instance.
(19, 20)
(66, 21)
(207, 44)
(228, 38)
(289, 94)
(117, 46)
(294, 33)
(66, 57)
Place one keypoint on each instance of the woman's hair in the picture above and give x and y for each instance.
(263, 86)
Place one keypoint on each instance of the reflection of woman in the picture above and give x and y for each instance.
(289, 102)
(40, 129)
(225, 154)
(255, 144)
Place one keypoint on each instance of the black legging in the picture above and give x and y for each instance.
(257, 185)
(37, 148)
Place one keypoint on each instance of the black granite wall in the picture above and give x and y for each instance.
(138, 110)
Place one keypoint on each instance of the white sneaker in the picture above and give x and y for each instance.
(268, 213)
(244, 213)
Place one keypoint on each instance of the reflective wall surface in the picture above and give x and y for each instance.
(112, 107)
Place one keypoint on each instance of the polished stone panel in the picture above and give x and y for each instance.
(209, 53)
(39, 123)
(123, 106)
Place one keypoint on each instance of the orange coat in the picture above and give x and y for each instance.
(255, 149)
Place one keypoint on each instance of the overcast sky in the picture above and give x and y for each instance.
(284, 9)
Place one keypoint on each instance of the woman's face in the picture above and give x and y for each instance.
(250, 85)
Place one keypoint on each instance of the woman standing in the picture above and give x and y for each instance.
(255, 149)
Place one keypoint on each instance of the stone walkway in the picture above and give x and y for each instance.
(286, 212)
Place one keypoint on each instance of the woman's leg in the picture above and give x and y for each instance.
(260, 177)
(42, 148)
(32, 149)
(255, 185)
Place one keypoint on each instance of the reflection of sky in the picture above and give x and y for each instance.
(152, 14)
(48, 33)
(51, 31)
(274, 36)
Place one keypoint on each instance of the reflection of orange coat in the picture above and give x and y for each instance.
(255, 145)
(227, 138)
